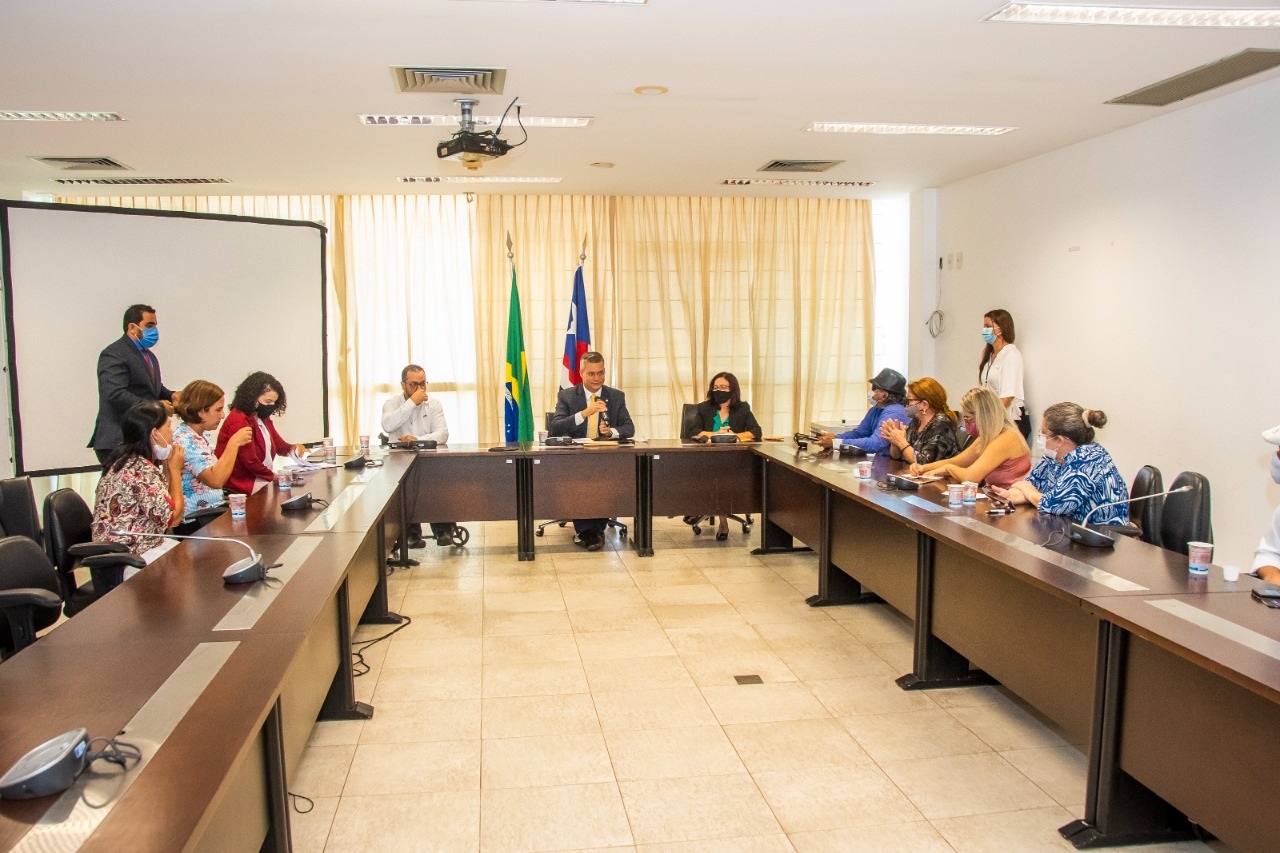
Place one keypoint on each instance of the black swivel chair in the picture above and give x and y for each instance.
(1146, 513)
(1185, 517)
(690, 426)
(561, 522)
(69, 545)
(18, 515)
(29, 599)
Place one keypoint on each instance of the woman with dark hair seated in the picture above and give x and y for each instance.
(257, 399)
(201, 407)
(723, 411)
(141, 489)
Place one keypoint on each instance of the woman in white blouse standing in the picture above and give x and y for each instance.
(1001, 367)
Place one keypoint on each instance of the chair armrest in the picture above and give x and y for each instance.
(19, 608)
(1124, 530)
(27, 596)
(89, 549)
(107, 561)
(207, 512)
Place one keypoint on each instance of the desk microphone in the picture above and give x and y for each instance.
(245, 570)
(1094, 538)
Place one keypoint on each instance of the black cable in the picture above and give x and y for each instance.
(113, 750)
(358, 665)
(293, 800)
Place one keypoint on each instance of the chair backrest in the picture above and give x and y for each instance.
(1146, 513)
(689, 423)
(1186, 517)
(546, 422)
(23, 565)
(18, 515)
(67, 522)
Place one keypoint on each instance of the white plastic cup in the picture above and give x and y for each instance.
(1231, 574)
(542, 436)
(237, 505)
(864, 470)
(836, 444)
(364, 444)
(955, 494)
(327, 442)
(284, 480)
(970, 492)
(1199, 556)
(330, 452)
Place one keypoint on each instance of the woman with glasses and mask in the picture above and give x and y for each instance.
(141, 489)
(998, 455)
(256, 400)
(931, 433)
(1075, 475)
(723, 411)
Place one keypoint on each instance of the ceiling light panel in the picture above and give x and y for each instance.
(1055, 13)
(481, 121)
(903, 129)
(468, 179)
(601, 2)
(791, 182)
(51, 115)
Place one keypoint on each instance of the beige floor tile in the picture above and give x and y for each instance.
(958, 785)
(524, 602)
(637, 674)
(701, 807)
(719, 670)
(563, 817)
(800, 577)
(544, 582)
(515, 624)
(899, 656)
(1028, 831)
(834, 797)
(438, 651)
(768, 588)
(660, 560)
(410, 768)
(527, 716)
(530, 762)
(819, 634)
(714, 641)
(628, 618)
(615, 645)
(534, 679)
(915, 837)
(697, 615)
(843, 659)
(725, 557)
(582, 581)
(1062, 772)
(779, 610)
(663, 578)
(763, 703)
(875, 623)
(532, 648)
(422, 604)
(673, 708)
(967, 697)
(432, 682)
(447, 584)
(323, 770)
(754, 844)
(751, 573)
(901, 735)
(794, 745)
(310, 831)
(868, 695)
(672, 753)
(700, 593)
(406, 823)
(599, 599)
(1005, 726)
(423, 720)
(335, 732)
(449, 625)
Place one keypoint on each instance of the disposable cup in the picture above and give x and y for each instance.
(970, 492)
(364, 444)
(836, 444)
(542, 436)
(1199, 556)
(237, 505)
(330, 452)
(1231, 573)
(864, 470)
(284, 480)
(955, 494)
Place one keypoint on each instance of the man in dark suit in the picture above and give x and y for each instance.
(128, 373)
(591, 410)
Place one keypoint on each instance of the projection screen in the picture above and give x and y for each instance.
(232, 295)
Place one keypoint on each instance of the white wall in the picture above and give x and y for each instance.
(1141, 268)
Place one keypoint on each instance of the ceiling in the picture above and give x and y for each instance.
(265, 93)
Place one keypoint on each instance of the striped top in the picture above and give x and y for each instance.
(1085, 479)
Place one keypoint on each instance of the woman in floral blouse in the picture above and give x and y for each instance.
(142, 487)
(931, 434)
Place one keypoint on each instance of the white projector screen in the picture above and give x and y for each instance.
(232, 295)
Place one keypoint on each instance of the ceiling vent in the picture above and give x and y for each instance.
(83, 164)
(798, 165)
(791, 182)
(453, 81)
(1228, 70)
(138, 181)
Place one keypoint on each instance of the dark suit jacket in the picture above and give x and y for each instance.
(571, 401)
(123, 380)
(740, 419)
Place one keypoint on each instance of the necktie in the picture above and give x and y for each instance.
(593, 422)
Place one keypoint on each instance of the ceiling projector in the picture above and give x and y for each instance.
(471, 148)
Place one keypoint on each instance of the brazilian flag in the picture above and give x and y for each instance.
(518, 411)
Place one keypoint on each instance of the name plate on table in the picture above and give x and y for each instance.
(77, 813)
(916, 500)
(341, 502)
(1224, 628)
(258, 597)
(1062, 561)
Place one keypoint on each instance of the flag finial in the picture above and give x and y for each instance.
(509, 253)
(583, 256)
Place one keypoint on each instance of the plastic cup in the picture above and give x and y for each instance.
(237, 505)
(327, 442)
(364, 444)
(542, 436)
(836, 444)
(284, 480)
(1199, 556)
(955, 494)
(864, 470)
(970, 492)
(330, 452)
(1230, 574)
(298, 477)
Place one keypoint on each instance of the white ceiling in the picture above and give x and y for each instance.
(265, 92)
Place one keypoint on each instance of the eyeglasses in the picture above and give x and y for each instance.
(413, 386)
(967, 418)
(914, 402)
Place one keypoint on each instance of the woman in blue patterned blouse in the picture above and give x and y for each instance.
(1075, 475)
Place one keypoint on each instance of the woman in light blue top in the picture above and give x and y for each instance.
(201, 408)
(1075, 476)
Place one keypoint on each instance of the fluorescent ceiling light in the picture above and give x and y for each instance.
(605, 2)
(792, 182)
(899, 129)
(468, 179)
(1059, 13)
(50, 115)
(481, 121)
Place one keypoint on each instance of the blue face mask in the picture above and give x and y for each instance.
(150, 337)
(988, 335)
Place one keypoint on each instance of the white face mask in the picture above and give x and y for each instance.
(1044, 448)
(161, 451)
(1275, 468)
(871, 398)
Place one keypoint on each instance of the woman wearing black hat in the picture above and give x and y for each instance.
(888, 392)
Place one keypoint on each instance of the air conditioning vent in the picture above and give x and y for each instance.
(454, 81)
(1227, 70)
(791, 182)
(83, 164)
(138, 181)
(798, 165)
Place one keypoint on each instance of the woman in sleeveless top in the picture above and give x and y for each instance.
(998, 456)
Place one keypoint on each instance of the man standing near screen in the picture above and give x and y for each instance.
(591, 410)
(415, 416)
(128, 373)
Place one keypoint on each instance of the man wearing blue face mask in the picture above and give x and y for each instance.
(128, 373)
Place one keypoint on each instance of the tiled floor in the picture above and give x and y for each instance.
(588, 701)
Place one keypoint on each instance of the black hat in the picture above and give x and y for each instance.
(891, 381)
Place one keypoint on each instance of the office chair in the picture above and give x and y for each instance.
(29, 599)
(690, 426)
(1186, 517)
(18, 515)
(69, 545)
(561, 522)
(1146, 514)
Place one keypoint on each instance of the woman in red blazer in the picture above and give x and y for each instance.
(257, 398)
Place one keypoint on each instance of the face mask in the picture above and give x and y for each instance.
(150, 337)
(265, 411)
(913, 411)
(1044, 448)
(988, 335)
(161, 451)
(720, 397)
(871, 398)
(1275, 468)
(971, 428)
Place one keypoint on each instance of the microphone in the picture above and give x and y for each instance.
(245, 570)
(1094, 538)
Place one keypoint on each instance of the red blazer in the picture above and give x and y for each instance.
(250, 461)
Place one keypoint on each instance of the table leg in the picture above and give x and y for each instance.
(340, 702)
(773, 539)
(378, 610)
(834, 586)
(643, 521)
(524, 508)
(279, 838)
(404, 561)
